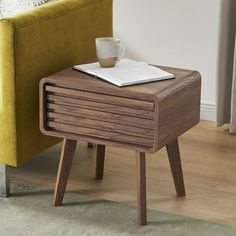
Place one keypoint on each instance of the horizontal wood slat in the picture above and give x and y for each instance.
(100, 125)
(117, 109)
(98, 115)
(127, 102)
(102, 116)
(101, 134)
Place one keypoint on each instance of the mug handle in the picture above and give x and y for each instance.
(122, 52)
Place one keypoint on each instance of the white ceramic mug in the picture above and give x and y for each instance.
(109, 51)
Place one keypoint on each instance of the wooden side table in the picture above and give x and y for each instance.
(145, 118)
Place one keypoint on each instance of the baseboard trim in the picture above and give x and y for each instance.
(208, 111)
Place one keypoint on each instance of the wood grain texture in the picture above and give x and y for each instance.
(143, 117)
(100, 161)
(42, 107)
(98, 97)
(95, 140)
(131, 139)
(98, 115)
(176, 167)
(178, 109)
(100, 125)
(61, 99)
(141, 188)
(70, 78)
(66, 158)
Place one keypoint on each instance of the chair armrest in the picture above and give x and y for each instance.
(33, 45)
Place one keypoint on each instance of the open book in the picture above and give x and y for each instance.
(126, 72)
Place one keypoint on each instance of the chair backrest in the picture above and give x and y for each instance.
(36, 44)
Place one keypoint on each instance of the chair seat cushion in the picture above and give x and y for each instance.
(13, 7)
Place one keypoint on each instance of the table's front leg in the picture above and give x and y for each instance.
(66, 158)
(100, 161)
(141, 188)
(176, 167)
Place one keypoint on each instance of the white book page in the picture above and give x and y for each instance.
(133, 76)
(95, 67)
(126, 72)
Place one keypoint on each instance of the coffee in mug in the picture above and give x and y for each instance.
(109, 51)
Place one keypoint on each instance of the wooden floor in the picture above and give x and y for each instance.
(209, 165)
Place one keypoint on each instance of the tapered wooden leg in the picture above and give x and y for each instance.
(141, 189)
(67, 155)
(176, 167)
(100, 161)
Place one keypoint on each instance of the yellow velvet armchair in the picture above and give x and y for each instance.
(33, 45)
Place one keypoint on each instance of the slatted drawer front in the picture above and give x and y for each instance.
(113, 118)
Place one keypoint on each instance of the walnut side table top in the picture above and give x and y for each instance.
(144, 117)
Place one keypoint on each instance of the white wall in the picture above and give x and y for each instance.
(178, 33)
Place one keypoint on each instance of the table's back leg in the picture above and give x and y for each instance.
(141, 188)
(176, 167)
(100, 161)
(67, 155)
